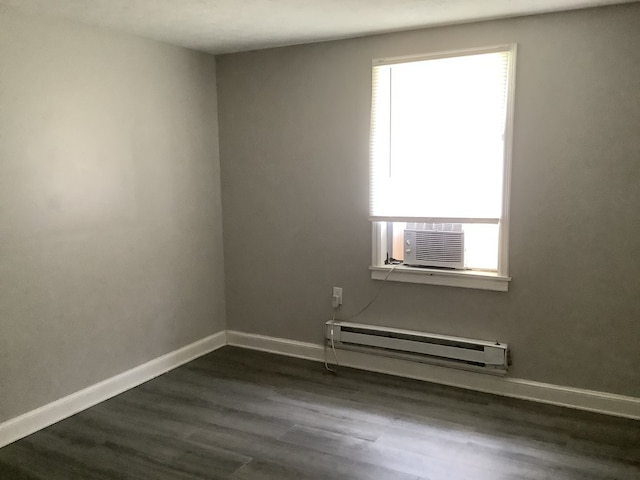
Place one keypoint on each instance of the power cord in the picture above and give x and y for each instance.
(333, 319)
(333, 347)
(375, 297)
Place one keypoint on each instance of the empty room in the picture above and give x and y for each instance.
(330, 239)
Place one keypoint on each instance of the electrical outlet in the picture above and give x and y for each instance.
(336, 299)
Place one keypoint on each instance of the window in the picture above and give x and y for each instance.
(440, 163)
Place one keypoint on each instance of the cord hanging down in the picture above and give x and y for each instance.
(333, 319)
(333, 347)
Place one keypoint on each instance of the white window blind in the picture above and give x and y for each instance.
(437, 138)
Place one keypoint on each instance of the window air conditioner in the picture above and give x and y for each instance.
(434, 246)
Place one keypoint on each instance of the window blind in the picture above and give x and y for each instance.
(437, 139)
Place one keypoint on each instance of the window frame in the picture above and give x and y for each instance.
(486, 280)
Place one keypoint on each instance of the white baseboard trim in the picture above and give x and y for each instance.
(593, 401)
(30, 422)
(600, 402)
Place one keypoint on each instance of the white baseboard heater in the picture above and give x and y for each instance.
(465, 353)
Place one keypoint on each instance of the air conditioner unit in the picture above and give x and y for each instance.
(444, 350)
(433, 247)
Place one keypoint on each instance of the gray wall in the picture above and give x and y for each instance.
(110, 222)
(294, 125)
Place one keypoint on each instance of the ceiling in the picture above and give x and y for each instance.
(224, 26)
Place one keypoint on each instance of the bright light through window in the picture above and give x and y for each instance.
(439, 127)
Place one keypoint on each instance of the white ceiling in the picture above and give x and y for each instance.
(223, 26)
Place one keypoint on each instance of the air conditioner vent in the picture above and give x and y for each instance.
(434, 248)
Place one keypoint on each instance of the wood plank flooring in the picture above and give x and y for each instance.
(240, 414)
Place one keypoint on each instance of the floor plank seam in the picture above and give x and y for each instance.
(243, 466)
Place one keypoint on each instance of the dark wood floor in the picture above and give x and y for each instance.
(240, 414)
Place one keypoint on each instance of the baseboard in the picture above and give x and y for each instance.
(600, 402)
(42, 417)
(593, 401)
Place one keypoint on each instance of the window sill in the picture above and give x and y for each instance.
(450, 278)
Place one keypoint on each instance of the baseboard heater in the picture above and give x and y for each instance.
(465, 353)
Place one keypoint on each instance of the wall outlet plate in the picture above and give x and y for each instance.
(336, 298)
